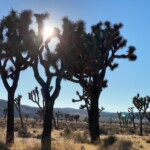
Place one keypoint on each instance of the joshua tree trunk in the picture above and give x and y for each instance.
(134, 125)
(141, 129)
(94, 121)
(10, 119)
(47, 126)
(20, 115)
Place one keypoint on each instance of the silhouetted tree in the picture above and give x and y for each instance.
(66, 116)
(147, 115)
(87, 57)
(53, 69)
(76, 117)
(142, 104)
(58, 117)
(15, 39)
(84, 97)
(87, 102)
(35, 97)
(132, 116)
(26, 117)
(119, 117)
(17, 102)
(100, 110)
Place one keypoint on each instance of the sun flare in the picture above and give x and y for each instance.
(47, 31)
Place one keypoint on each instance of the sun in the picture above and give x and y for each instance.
(47, 31)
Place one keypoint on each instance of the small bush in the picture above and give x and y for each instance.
(67, 133)
(110, 140)
(23, 132)
(103, 131)
(148, 141)
(131, 131)
(81, 137)
(124, 145)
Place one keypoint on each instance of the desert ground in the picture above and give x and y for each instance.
(75, 136)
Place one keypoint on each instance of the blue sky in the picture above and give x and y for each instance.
(128, 79)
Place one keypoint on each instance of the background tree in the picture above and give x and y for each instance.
(15, 39)
(119, 117)
(87, 57)
(142, 104)
(87, 104)
(66, 116)
(34, 96)
(132, 116)
(100, 110)
(17, 102)
(84, 97)
(26, 117)
(148, 116)
(76, 117)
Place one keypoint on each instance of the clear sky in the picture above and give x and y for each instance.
(128, 79)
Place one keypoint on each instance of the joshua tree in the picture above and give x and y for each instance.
(100, 110)
(17, 102)
(119, 116)
(142, 104)
(132, 116)
(35, 97)
(87, 57)
(148, 116)
(53, 69)
(86, 98)
(15, 39)
(26, 117)
(66, 116)
(76, 117)
(59, 116)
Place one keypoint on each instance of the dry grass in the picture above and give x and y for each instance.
(76, 138)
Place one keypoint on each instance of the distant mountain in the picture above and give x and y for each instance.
(32, 111)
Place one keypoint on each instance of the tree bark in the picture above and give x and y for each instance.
(94, 121)
(141, 128)
(47, 127)
(10, 119)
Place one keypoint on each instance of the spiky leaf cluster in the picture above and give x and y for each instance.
(86, 56)
(34, 96)
(141, 103)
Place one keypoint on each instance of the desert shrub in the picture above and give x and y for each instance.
(2, 145)
(131, 131)
(67, 133)
(124, 145)
(81, 137)
(17, 127)
(148, 141)
(110, 140)
(23, 132)
(103, 131)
